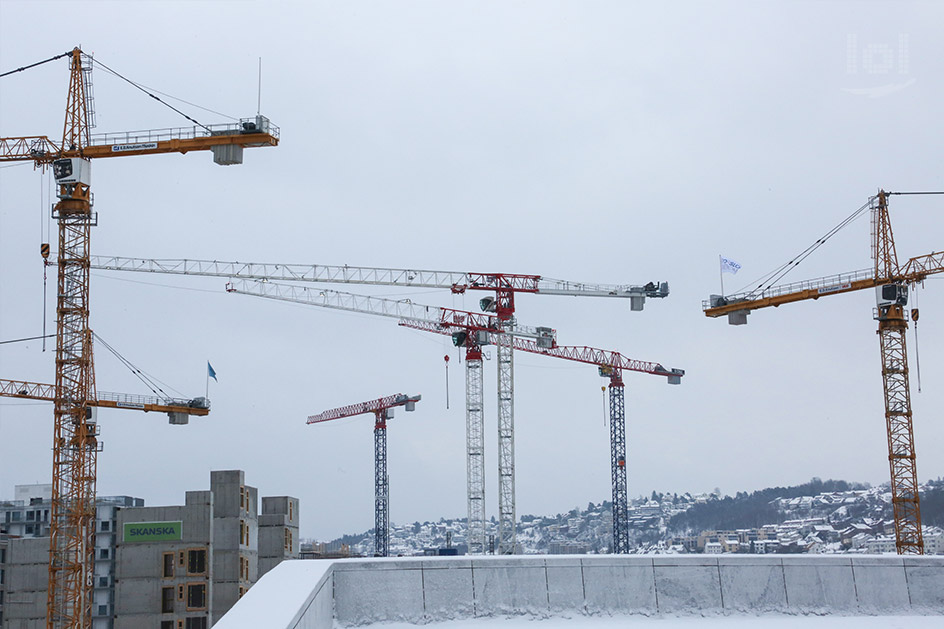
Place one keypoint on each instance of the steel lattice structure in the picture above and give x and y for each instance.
(891, 282)
(75, 442)
(507, 529)
(382, 409)
(618, 464)
(475, 449)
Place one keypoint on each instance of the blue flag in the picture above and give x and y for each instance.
(210, 371)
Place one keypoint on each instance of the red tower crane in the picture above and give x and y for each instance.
(383, 410)
(75, 443)
(504, 286)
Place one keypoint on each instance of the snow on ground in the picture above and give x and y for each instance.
(718, 622)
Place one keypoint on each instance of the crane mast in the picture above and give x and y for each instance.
(891, 283)
(382, 410)
(75, 443)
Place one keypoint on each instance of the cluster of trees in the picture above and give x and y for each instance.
(750, 510)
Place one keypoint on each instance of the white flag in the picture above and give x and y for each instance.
(729, 266)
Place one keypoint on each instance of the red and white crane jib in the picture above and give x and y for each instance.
(404, 309)
(455, 281)
(373, 406)
(607, 361)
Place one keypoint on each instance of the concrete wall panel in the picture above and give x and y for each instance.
(819, 586)
(373, 595)
(613, 586)
(880, 584)
(564, 584)
(925, 584)
(509, 587)
(448, 591)
(684, 589)
(753, 588)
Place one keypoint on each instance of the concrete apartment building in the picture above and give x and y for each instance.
(24, 557)
(172, 567)
(183, 567)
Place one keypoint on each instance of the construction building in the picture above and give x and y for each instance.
(24, 556)
(172, 567)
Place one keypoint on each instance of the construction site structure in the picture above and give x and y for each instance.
(504, 287)
(891, 282)
(75, 440)
(382, 409)
(473, 331)
(610, 365)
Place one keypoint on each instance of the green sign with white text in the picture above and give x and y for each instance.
(153, 531)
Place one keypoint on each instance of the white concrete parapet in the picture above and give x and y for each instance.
(309, 594)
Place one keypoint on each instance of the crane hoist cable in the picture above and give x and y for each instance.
(777, 274)
(149, 381)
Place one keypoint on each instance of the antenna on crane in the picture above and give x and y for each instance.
(259, 100)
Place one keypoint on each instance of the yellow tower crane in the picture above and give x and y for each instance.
(75, 442)
(891, 282)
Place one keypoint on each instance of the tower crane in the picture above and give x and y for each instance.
(504, 287)
(610, 365)
(383, 410)
(75, 444)
(891, 282)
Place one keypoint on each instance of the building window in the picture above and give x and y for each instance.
(180, 592)
(106, 525)
(168, 565)
(103, 553)
(242, 498)
(197, 622)
(180, 559)
(103, 610)
(167, 624)
(291, 511)
(242, 591)
(167, 600)
(288, 540)
(103, 582)
(196, 596)
(30, 516)
(196, 561)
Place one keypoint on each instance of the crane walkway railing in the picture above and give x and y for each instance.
(823, 285)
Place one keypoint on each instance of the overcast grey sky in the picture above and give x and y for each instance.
(610, 142)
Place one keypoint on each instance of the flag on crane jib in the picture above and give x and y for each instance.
(729, 266)
(211, 372)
